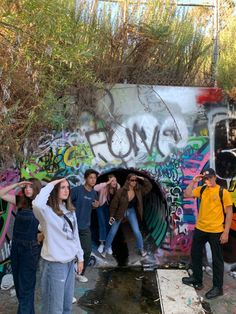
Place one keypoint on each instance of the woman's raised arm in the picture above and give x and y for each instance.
(12, 198)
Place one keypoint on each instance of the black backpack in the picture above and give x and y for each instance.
(221, 191)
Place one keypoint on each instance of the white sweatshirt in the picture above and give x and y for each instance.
(60, 243)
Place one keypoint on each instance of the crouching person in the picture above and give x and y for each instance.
(61, 246)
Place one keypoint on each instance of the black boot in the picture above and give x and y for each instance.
(191, 281)
(214, 293)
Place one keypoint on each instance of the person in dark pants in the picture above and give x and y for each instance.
(25, 249)
(84, 198)
(210, 227)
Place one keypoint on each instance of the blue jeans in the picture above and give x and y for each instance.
(24, 261)
(57, 287)
(103, 221)
(130, 214)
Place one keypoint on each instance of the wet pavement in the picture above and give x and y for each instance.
(127, 290)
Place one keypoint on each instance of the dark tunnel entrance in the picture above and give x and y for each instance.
(154, 224)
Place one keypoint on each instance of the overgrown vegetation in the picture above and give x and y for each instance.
(55, 59)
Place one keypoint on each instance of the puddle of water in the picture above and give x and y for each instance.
(121, 291)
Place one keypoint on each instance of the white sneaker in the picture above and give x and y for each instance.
(143, 253)
(103, 254)
(101, 248)
(109, 251)
(74, 300)
(209, 271)
(7, 282)
(81, 278)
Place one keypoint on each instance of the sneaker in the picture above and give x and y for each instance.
(109, 251)
(214, 293)
(7, 282)
(143, 253)
(101, 248)
(191, 281)
(12, 292)
(208, 270)
(74, 300)
(104, 254)
(81, 278)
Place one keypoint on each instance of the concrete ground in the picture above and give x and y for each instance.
(186, 299)
(225, 304)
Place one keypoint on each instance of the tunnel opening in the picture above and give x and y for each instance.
(153, 227)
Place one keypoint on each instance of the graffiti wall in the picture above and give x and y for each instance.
(6, 221)
(167, 133)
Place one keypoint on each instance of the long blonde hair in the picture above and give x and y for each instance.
(110, 176)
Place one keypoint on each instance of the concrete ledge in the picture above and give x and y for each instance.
(175, 297)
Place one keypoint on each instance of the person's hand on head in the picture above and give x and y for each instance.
(197, 178)
(55, 182)
(111, 180)
(139, 177)
(23, 184)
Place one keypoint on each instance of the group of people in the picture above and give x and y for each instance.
(61, 218)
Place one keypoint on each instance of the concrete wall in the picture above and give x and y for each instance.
(167, 133)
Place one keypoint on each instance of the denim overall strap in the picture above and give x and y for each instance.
(25, 226)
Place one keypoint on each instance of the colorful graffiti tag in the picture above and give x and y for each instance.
(162, 131)
(6, 221)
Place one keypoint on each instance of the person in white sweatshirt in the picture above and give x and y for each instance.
(61, 246)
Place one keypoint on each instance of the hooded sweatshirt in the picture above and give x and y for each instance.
(60, 244)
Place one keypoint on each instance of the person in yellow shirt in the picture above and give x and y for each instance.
(213, 224)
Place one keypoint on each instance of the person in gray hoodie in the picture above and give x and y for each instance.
(61, 246)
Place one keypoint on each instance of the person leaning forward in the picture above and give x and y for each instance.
(211, 227)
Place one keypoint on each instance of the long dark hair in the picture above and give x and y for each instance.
(53, 200)
(22, 201)
(126, 184)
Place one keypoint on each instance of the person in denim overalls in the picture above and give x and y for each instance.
(25, 249)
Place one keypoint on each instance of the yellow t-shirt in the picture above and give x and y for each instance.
(210, 217)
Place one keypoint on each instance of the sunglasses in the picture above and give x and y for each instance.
(132, 180)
